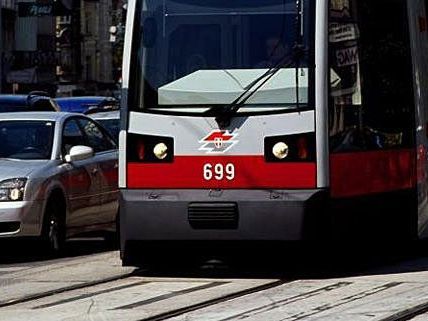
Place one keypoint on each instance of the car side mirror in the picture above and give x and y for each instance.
(78, 153)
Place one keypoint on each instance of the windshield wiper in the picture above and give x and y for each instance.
(228, 111)
(298, 51)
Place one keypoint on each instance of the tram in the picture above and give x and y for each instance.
(273, 120)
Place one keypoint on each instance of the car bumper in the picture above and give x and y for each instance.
(19, 219)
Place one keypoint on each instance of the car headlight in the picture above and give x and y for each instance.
(12, 189)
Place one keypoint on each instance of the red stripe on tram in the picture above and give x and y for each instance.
(362, 173)
(249, 172)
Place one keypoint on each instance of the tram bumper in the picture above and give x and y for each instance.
(222, 215)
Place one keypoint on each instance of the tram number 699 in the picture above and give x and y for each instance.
(219, 172)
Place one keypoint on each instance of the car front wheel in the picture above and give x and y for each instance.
(53, 230)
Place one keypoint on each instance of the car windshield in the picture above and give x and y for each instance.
(195, 55)
(112, 126)
(25, 139)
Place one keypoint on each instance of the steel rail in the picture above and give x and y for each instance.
(409, 313)
(32, 297)
(197, 306)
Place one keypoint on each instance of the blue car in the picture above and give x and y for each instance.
(83, 104)
(34, 101)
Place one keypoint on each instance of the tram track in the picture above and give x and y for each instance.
(46, 294)
(406, 314)
(73, 294)
(409, 314)
(190, 308)
(137, 278)
(80, 287)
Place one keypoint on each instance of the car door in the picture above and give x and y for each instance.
(81, 181)
(106, 156)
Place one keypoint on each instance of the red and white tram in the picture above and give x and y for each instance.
(273, 120)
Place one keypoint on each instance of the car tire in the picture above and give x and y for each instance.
(53, 230)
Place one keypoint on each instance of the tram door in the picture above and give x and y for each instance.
(418, 25)
(372, 115)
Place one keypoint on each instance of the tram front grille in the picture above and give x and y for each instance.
(213, 215)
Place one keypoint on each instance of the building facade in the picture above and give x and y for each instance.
(7, 38)
(88, 47)
(28, 47)
(64, 47)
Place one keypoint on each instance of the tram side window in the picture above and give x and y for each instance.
(371, 87)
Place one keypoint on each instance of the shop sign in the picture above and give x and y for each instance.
(36, 9)
(32, 9)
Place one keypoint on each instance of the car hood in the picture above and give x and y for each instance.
(17, 168)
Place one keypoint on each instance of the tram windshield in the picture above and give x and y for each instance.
(195, 55)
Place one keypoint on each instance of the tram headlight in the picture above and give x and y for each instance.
(280, 150)
(299, 147)
(160, 150)
(150, 149)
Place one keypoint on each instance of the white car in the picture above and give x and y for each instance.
(58, 177)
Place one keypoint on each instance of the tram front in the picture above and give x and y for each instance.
(224, 132)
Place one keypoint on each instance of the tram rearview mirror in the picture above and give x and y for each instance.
(149, 32)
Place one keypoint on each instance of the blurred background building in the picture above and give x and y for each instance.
(88, 42)
(64, 47)
(28, 46)
(7, 37)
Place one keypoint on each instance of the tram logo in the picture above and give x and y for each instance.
(218, 142)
